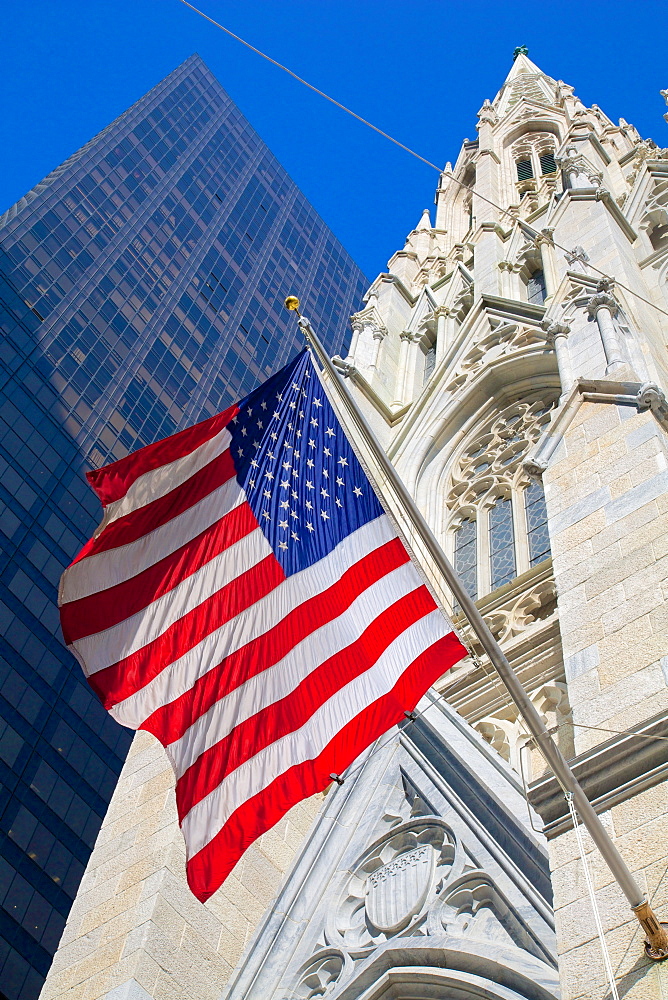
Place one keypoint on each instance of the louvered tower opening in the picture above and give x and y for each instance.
(524, 170)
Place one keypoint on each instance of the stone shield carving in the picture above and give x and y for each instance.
(397, 891)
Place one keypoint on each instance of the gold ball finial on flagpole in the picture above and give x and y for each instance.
(292, 303)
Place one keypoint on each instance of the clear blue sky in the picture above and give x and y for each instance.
(419, 69)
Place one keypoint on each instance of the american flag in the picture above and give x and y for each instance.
(247, 601)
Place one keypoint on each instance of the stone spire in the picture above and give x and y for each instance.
(420, 239)
(525, 79)
(425, 220)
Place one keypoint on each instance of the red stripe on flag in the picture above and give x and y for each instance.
(209, 868)
(120, 680)
(293, 711)
(107, 608)
(153, 515)
(113, 481)
(170, 721)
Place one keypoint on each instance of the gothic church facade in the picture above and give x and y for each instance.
(512, 361)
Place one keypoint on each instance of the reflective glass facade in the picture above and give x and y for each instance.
(141, 289)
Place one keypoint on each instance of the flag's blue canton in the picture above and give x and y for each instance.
(302, 479)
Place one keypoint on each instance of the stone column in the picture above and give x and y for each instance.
(545, 244)
(557, 336)
(357, 329)
(443, 331)
(506, 269)
(487, 240)
(603, 308)
(378, 337)
(405, 338)
(571, 167)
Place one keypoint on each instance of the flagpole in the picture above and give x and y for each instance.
(657, 938)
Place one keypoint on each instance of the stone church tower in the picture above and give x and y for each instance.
(511, 361)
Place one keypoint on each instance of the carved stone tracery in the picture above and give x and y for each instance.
(507, 733)
(655, 213)
(492, 462)
(535, 605)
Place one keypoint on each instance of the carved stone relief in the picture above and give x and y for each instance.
(321, 974)
(655, 214)
(645, 150)
(389, 887)
(416, 881)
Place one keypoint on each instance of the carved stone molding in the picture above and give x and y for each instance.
(554, 329)
(578, 259)
(368, 318)
(602, 300)
(576, 165)
(344, 368)
(645, 150)
(651, 397)
(646, 396)
(610, 773)
(544, 237)
(503, 339)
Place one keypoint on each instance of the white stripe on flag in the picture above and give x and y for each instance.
(102, 649)
(179, 677)
(283, 677)
(209, 815)
(161, 481)
(113, 566)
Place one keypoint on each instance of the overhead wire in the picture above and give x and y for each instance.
(506, 212)
(310, 86)
(412, 717)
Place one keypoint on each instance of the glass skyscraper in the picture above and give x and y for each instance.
(141, 289)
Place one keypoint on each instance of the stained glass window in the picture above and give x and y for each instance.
(466, 557)
(501, 543)
(539, 539)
